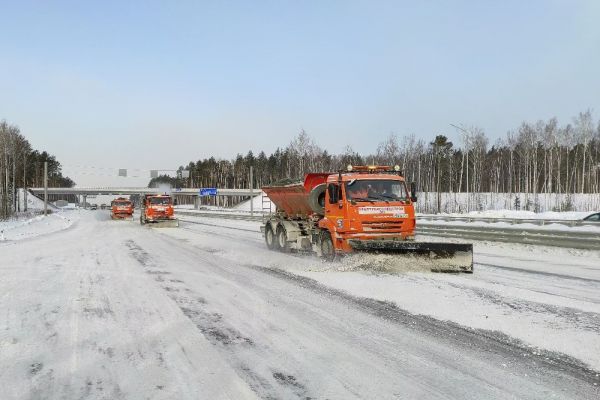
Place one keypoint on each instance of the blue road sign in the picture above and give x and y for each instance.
(208, 192)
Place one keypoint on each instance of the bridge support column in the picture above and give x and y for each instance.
(85, 202)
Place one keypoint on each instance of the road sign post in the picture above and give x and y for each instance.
(251, 194)
(45, 187)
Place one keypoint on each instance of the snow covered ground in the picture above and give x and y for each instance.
(546, 297)
(514, 214)
(259, 203)
(592, 228)
(25, 227)
(113, 310)
(457, 202)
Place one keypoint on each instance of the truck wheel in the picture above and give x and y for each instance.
(282, 242)
(270, 238)
(327, 249)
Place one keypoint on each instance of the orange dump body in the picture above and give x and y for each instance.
(293, 198)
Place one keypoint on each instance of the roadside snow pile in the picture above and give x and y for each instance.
(185, 207)
(18, 229)
(33, 202)
(514, 214)
(259, 203)
(459, 202)
(508, 226)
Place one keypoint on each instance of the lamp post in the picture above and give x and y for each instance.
(465, 135)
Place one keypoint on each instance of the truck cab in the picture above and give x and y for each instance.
(367, 203)
(121, 208)
(158, 209)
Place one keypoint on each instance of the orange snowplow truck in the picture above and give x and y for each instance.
(362, 209)
(157, 209)
(121, 208)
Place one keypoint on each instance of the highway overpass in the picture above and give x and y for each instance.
(182, 195)
(121, 191)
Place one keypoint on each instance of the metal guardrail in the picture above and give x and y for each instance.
(512, 221)
(547, 237)
(514, 234)
(229, 215)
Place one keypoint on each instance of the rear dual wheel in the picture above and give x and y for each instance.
(270, 238)
(276, 239)
(282, 243)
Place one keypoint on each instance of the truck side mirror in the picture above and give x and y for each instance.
(333, 193)
(413, 192)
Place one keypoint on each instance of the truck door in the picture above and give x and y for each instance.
(333, 211)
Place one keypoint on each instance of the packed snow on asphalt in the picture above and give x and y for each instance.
(92, 308)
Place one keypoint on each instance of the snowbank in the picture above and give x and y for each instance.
(259, 203)
(24, 228)
(541, 202)
(521, 214)
(33, 202)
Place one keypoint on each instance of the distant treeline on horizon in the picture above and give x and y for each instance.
(22, 166)
(538, 157)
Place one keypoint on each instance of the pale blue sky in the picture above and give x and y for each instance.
(153, 84)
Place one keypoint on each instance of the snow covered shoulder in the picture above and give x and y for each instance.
(25, 227)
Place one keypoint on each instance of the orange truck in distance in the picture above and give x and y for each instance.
(121, 208)
(362, 209)
(157, 209)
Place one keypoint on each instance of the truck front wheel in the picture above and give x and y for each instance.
(327, 249)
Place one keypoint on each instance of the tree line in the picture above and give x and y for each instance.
(22, 166)
(536, 158)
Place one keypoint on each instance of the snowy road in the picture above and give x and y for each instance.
(110, 309)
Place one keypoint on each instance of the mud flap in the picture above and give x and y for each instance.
(442, 257)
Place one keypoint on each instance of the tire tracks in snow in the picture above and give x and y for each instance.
(585, 320)
(218, 332)
(486, 341)
(540, 362)
(543, 273)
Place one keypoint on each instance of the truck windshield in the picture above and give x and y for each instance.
(121, 203)
(160, 200)
(376, 190)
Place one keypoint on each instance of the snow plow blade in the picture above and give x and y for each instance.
(120, 218)
(443, 257)
(165, 223)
